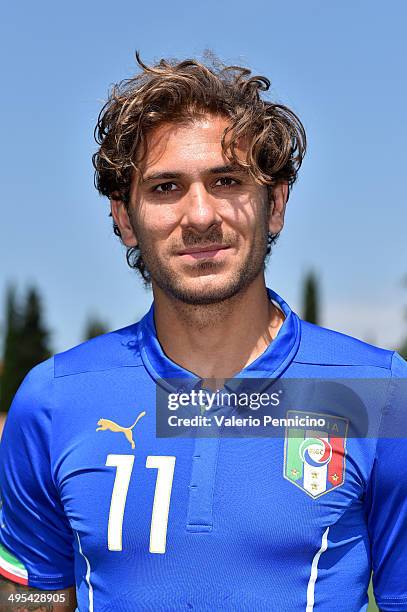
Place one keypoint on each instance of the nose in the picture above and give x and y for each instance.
(200, 209)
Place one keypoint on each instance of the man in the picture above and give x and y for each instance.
(198, 168)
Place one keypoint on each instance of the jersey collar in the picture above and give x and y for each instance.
(270, 364)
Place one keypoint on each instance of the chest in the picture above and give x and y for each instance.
(126, 491)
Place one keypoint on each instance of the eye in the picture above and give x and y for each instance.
(164, 188)
(226, 181)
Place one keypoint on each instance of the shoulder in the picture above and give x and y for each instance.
(30, 411)
(34, 403)
(323, 346)
(119, 348)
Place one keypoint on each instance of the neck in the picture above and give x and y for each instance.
(217, 341)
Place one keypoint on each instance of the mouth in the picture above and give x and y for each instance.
(203, 252)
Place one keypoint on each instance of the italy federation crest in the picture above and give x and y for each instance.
(314, 457)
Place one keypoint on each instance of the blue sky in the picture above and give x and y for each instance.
(339, 65)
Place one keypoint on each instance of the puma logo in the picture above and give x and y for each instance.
(106, 424)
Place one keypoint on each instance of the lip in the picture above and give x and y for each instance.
(200, 252)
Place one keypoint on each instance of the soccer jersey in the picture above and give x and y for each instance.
(93, 497)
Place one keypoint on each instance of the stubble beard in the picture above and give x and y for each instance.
(173, 284)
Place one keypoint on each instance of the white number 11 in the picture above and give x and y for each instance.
(161, 505)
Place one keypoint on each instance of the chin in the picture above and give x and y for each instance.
(205, 290)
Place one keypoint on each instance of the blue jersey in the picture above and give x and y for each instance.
(92, 496)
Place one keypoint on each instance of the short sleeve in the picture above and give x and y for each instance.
(36, 541)
(387, 494)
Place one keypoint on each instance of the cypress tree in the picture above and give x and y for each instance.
(311, 299)
(94, 327)
(403, 348)
(34, 346)
(26, 342)
(11, 373)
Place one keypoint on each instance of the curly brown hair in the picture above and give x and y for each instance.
(177, 92)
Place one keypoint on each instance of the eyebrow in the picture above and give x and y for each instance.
(228, 169)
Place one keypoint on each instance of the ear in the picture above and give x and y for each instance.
(121, 218)
(279, 201)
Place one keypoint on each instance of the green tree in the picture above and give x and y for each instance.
(11, 374)
(403, 348)
(34, 343)
(94, 327)
(26, 342)
(310, 310)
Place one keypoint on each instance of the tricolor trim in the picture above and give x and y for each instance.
(11, 568)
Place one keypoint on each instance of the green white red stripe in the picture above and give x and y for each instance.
(12, 568)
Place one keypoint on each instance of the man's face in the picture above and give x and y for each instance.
(200, 223)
